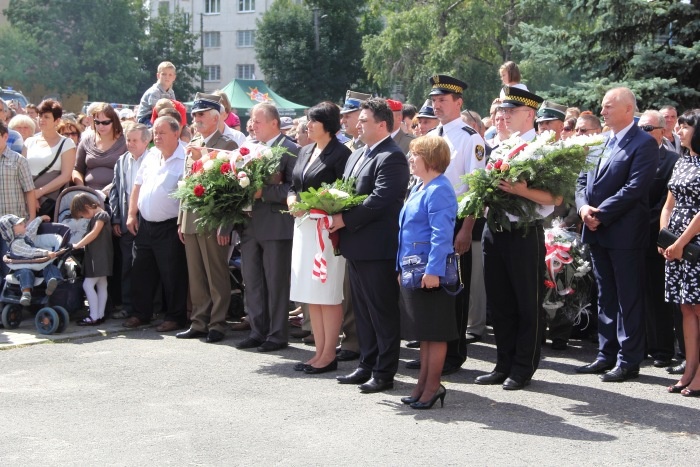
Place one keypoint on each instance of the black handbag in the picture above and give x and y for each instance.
(691, 252)
(413, 270)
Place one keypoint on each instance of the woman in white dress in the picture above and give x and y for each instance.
(323, 161)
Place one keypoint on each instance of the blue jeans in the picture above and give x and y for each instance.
(26, 276)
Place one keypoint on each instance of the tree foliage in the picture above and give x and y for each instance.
(287, 54)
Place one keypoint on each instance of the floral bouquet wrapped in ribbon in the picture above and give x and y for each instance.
(221, 185)
(320, 204)
(542, 163)
(569, 276)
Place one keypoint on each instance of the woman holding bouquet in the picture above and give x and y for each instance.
(681, 215)
(323, 161)
(427, 223)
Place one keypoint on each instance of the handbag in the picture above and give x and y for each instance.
(413, 270)
(691, 252)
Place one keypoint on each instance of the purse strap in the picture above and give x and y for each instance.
(459, 274)
(48, 167)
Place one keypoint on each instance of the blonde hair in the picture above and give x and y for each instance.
(164, 65)
(433, 150)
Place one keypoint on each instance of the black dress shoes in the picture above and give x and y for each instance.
(215, 336)
(301, 366)
(358, 376)
(677, 370)
(413, 364)
(248, 343)
(471, 338)
(495, 377)
(347, 355)
(376, 385)
(514, 383)
(662, 362)
(413, 344)
(190, 334)
(312, 370)
(618, 375)
(599, 366)
(269, 346)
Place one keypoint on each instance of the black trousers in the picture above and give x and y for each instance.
(375, 299)
(457, 349)
(159, 257)
(660, 338)
(514, 270)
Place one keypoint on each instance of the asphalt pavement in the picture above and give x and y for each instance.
(111, 396)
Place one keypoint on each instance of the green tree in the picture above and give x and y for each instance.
(298, 67)
(17, 61)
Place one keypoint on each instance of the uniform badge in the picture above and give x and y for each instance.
(479, 152)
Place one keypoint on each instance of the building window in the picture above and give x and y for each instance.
(212, 6)
(245, 72)
(212, 39)
(246, 6)
(212, 73)
(187, 19)
(164, 8)
(245, 38)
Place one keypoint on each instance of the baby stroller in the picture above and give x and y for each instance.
(52, 315)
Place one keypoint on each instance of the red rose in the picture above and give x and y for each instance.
(197, 166)
(489, 166)
(498, 163)
(225, 168)
(549, 284)
(244, 151)
(199, 191)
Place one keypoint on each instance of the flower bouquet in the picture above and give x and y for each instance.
(542, 163)
(332, 198)
(222, 184)
(568, 277)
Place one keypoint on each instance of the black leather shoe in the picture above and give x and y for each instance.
(376, 385)
(301, 366)
(449, 368)
(677, 370)
(599, 366)
(662, 362)
(347, 355)
(190, 334)
(618, 374)
(413, 364)
(413, 344)
(495, 377)
(248, 343)
(312, 370)
(514, 383)
(358, 376)
(215, 336)
(560, 344)
(269, 346)
(471, 338)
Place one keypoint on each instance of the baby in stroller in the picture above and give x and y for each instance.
(21, 237)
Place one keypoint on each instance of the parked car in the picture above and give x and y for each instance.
(8, 94)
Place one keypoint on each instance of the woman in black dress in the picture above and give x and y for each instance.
(320, 162)
(681, 215)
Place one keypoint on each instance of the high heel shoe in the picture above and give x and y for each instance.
(440, 394)
(409, 399)
(675, 389)
(312, 370)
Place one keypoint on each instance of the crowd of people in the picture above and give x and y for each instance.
(144, 252)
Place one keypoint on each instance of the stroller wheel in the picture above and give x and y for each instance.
(46, 321)
(11, 316)
(63, 318)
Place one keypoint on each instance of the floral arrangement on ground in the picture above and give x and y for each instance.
(221, 186)
(542, 163)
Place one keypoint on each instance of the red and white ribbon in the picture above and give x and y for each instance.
(323, 221)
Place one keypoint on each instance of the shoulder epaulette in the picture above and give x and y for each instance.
(469, 129)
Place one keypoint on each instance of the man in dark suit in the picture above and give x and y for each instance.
(266, 243)
(613, 202)
(659, 313)
(369, 241)
(207, 251)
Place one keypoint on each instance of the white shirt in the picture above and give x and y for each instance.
(467, 152)
(39, 155)
(158, 179)
(235, 135)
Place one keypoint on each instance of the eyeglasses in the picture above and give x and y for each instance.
(582, 130)
(71, 133)
(650, 128)
(567, 128)
(102, 122)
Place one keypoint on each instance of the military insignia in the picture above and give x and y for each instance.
(479, 152)
(436, 79)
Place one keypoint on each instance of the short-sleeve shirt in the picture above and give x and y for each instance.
(15, 181)
(158, 179)
(467, 152)
(40, 155)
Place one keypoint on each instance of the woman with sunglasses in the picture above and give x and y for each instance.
(99, 151)
(51, 157)
(71, 130)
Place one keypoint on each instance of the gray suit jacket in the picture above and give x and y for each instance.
(267, 220)
(402, 140)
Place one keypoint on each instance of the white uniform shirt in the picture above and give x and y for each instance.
(235, 135)
(158, 179)
(467, 152)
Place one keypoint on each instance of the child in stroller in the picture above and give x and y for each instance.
(21, 239)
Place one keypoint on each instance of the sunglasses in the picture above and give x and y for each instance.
(71, 133)
(583, 130)
(650, 128)
(567, 128)
(103, 122)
